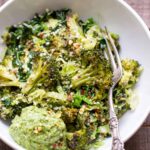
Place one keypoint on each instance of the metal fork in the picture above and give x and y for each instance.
(112, 54)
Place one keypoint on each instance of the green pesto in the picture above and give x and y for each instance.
(37, 129)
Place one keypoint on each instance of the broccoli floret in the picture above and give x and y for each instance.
(6, 74)
(8, 77)
(93, 36)
(122, 93)
(45, 71)
(95, 74)
(77, 140)
(69, 115)
(34, 77)
(43, 98)
(92, 33)
(11, 102)
(8, 83)
(95, 71)
(88, 39)
(74, 28)
(69, 68)
(57, 99)
(87, 130)
(37, 96)
(131, 72)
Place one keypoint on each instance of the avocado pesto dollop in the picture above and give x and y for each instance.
(37, 129)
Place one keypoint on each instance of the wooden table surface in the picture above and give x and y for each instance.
(141, 140)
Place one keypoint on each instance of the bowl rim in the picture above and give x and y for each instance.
(146, 29)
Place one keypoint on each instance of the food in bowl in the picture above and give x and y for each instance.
(55, 63)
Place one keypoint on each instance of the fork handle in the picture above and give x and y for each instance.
(117, 143)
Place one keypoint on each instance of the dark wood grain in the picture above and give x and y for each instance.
(3, 146)
(147, 122)
(2, 2)
(142, 7)
(141, 140)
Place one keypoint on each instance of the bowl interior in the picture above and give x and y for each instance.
(119, 18)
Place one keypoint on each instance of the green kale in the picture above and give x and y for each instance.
(60, 14)
(88, 24)
(78, 99)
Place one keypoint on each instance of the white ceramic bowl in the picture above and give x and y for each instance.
(118, 17)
